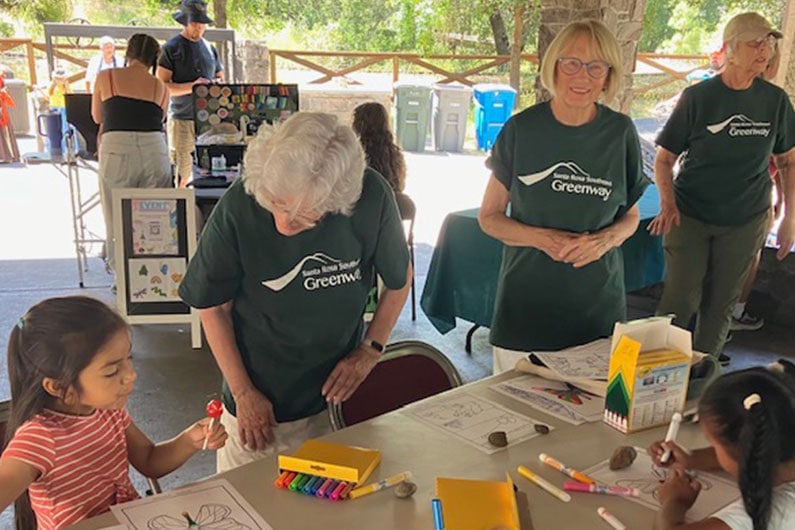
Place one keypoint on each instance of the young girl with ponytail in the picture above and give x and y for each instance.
(749, 419)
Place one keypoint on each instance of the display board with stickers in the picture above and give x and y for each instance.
(243, 105)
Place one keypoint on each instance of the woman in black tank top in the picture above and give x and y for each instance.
(129, 104)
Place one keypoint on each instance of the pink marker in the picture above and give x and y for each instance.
(214, 410)
(570, 485)
(335, 495)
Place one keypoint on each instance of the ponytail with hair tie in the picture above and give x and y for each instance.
(751, 400)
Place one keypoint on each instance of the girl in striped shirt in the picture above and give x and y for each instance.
(71, 440)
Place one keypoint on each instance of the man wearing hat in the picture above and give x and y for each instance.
(187, 60)
(106, 58)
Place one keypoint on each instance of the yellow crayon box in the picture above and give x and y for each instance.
(336, 461)
(648, 374)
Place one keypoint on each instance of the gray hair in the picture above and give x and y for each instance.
(310, 157)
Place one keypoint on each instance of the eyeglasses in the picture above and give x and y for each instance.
(595, 69)
(771, 41)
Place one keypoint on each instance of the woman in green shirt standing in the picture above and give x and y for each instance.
(715, 215)
(571, 170)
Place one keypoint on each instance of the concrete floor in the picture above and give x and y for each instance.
(174, 381)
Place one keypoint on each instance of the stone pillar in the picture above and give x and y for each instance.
(623, 17)
(251, 61)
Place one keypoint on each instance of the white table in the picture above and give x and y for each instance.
(407, 444)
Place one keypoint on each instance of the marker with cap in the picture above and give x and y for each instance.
(611, 519)
(438, 518)
(573, 473)
(670, 436)
(599, 488)
(543, 484)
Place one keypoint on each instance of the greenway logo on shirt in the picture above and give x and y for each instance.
(741, 125)
(568, 177)
(327, 272)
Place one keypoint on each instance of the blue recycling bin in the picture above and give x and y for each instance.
(493, 106)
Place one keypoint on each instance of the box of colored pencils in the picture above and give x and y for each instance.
(326, 470)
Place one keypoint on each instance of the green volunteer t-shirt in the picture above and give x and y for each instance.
(579, 179)
(726, 138)
(298, 300)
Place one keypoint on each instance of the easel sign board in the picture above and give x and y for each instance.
(155, 237)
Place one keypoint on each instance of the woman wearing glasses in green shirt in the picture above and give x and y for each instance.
(571, 170)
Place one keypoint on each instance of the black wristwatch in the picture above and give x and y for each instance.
(377, 346)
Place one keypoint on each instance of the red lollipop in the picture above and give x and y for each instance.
(214, 410)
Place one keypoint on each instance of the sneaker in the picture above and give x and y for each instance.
(724, 359)
(746, 323)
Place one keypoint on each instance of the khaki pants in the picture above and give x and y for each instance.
(129, 159)
(181, 137)
(706, 267)
(288, 436)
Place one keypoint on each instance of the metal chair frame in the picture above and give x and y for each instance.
(397, 350)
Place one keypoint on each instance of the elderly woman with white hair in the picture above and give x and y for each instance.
(281, 278)
(571, 170)
(716, 213)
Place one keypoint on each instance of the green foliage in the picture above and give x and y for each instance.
(33, 12)
(6, 29)
(695, 26)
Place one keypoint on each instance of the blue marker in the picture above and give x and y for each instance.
(438, 519)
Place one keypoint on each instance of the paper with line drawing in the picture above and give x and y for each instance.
(471, 419)
(212, 505)
(717, 491)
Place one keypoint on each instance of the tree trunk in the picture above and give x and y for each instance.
(501, 41)
(219, 17)
(516, 49)
(786, 72)
(219, 13)
(623, 17)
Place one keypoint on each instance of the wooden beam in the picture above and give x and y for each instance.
(345, 71)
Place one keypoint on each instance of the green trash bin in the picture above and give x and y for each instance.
(412, 110)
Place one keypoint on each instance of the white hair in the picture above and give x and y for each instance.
(312, 159)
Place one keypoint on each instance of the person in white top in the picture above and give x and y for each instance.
(749, 419)
(105, 59)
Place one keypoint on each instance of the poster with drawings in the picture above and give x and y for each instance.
(154, 227)
(155, 279)
(212, 505)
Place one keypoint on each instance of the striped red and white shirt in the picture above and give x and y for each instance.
(82, 461)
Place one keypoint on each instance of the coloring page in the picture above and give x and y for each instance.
(717, 491)
(561, 400)
(212, 505)
(471, 419)
(589, 361)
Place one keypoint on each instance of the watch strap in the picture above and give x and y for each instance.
(377, 346)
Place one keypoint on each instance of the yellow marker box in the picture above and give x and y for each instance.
(335, 461)
(648, 375)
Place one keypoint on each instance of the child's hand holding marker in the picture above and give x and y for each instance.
(679, 456)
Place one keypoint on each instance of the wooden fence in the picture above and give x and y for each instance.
(312, 60)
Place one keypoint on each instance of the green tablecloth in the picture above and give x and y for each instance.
(462, 278)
